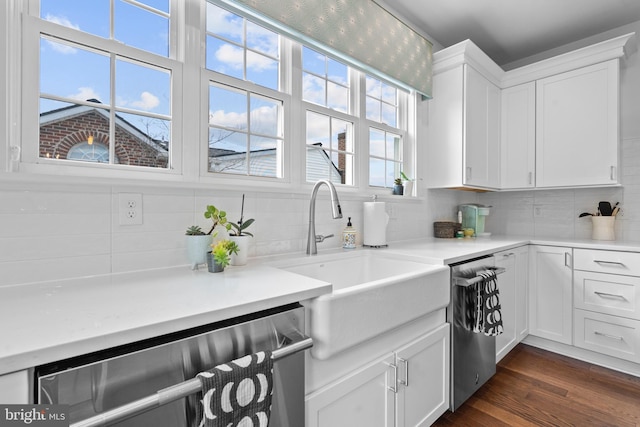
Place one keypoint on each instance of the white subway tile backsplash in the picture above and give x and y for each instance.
(29, 271)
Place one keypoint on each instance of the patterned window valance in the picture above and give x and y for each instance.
(359, 31)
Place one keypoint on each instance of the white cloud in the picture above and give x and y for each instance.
(60, 47)
(263, 119)
(221, 22)
(231, 119)
(230, 56)
(147, 101)
(64, 49)
(84, 94)
(61, 20)
(259, 62)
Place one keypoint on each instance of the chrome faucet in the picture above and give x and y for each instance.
(312, 239)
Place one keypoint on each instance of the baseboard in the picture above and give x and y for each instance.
(584, 355)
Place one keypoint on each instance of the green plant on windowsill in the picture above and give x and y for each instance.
(219, 217)
(222, 250)
(397, 187)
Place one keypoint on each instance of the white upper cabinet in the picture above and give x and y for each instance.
(551, 124)
(577, 127)
(518, 136)
(464, 120)
(482, 131)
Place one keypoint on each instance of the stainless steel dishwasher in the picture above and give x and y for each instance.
(151, 383)
(473, 355)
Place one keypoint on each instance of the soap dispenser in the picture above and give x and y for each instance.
(349, 236)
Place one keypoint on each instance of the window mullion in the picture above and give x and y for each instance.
(112, 109)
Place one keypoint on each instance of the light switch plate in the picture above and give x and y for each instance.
(130, 209)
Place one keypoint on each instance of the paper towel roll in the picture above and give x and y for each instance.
(375, 224)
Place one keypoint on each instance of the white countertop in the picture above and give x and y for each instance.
(451, 251)
(45, 322)
(42, 323)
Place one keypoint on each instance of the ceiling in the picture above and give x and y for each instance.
(510, 30)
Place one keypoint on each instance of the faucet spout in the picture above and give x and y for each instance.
(336, 210)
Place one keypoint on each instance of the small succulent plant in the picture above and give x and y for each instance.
(194, 230)
(222, 251)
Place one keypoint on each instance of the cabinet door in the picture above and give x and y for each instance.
(518, 136)
(481, 131)
(507, 292)
(423, 379)
(14, 388)
(445, 130)
(522, 292)
(577, 127)
(364, 398)
(550, 295)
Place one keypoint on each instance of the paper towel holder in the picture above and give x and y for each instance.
(374, 198)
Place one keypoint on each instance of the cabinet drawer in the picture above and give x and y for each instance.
(615, 262)
(607, 293)
(611, 335)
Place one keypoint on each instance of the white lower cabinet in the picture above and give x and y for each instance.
(513, 289)
(14, 388)
(407, 387)
(607, 302)
(550, 293)
(611, 335)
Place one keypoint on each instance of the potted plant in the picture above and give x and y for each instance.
(397, 187)
(239, 236)
(220, 255)
(407, 183)
(219, 217)
(198, 244)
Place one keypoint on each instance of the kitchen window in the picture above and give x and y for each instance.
(105, 89)
(245, 132)
(240, 48)
(385, 105)
(121, 90)
(245, 121)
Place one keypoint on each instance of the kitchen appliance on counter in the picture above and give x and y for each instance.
(152, 383)
(473, 355)
(473, 217)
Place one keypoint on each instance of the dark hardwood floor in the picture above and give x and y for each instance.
(534, 387)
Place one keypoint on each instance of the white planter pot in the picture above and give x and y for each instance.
(243, 250)
(408, 188)
(197, 248)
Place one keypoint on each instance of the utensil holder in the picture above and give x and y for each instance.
(603, 227)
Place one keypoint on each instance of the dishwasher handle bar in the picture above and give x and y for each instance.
(464, 281)
(175, 392)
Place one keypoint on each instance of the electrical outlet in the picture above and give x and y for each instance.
(129, 208)
(537, 211)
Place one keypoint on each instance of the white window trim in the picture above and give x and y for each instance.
(189, 118)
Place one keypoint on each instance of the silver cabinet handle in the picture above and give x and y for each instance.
(613, 173)
(605, 294)
(405, 382)
(567, 259)
(530, 178)
(469, 173)
(394, 387)
(597, 261)
(613, 337)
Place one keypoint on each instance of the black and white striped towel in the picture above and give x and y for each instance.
(487, 315)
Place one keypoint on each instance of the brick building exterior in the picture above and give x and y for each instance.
(63, 129)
